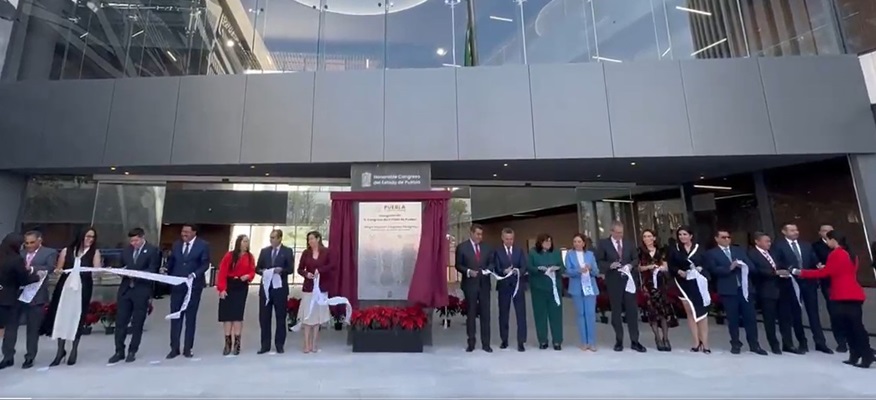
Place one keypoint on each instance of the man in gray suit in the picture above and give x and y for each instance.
(618, 258)
(41, 259)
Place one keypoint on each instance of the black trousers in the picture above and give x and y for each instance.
(189, 317)
(623, 303)
(506, 290)
(838, 334)
(849, 319)
(477, 298)
(133, 305)
(33, 316)
(773, 313)
(809, 295)
(276, 308)
(738, 309)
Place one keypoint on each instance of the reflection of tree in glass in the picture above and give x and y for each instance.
(309, 211)
(459, 216)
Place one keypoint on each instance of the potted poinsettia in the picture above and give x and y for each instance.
(717, 309)
(108, 317)
(292, 306)
(388, 330)
(339, 314)
(452, 308)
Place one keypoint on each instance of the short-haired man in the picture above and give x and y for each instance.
(510, 260)
(40, 259)
(473, 260)
(281, 260)
(189, 257)
(616, 256)
(134, 294)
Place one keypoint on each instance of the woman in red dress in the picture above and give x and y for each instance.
(315, 263)
(236, 270)
(847, 296)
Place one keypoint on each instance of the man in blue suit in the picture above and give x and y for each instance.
(189, 257)
(510, 259)
(734, 285)
(793, 253)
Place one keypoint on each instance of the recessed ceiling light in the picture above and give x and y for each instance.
(441, 52)
(505, 164)
(267, 174)
(112, 168)
(252, 167)
(599, 176)
(127, 173)
(633, 163)
(702, 177)
(229, 43)
(495, 175)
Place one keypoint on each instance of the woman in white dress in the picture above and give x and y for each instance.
(72, 295)
(314, 262)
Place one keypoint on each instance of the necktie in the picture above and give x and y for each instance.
(186, 249)
(620, 249)
(727, 253)
(273, 255)
(136, 254)
(770, 259)
(477, 252)
(508, 249)
(799, 256)
(30, 258)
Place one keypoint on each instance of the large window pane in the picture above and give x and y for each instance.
(353, 35)
(423, 36)
(58, 207)
(858, 21)
(290, 30)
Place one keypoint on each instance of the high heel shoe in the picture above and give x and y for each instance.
(59, 358)
(704, 349)
(237, 345)
(666, 345)
(227, 349)
(659, 344)
(697, 348)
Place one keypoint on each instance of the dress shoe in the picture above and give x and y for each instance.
(470, 348)
(263, 350)
(638, 347)
(866, 361)
(791, 349)
(280, 350)
(842, 348)
(735, 350)
(504, 345)
(116, 358)
(188, 354)
(759, 351)
(520, 347)
(618, 346)
(823, 348)
(6, 363)
(132, 356)
(543, 346)
(173, 354)
(487, 348)
(558, 346)
(803, 349)
(776, 350)
(28, 363)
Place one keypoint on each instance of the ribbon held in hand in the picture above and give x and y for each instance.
(318, 298)
(506, 276)
(149, 276)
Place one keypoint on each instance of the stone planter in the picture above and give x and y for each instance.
(387, 341)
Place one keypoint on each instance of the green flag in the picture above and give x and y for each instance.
(470, 58)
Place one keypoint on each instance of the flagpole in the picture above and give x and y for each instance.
(471, 26)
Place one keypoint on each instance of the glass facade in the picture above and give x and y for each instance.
(93, 39)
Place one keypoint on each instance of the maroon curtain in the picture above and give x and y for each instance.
(429, 282)
(342, 248)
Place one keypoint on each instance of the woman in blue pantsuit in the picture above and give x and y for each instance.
(581, 269)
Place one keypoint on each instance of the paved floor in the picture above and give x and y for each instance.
(445, 371)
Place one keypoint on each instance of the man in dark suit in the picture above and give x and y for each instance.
(774, 294)
(473, 259)
(822, 250)
(794, 253)
(189, 257)
(615, 256)
(40, 259)
(725, 263)
(134, 294)
(510, 259)
(282, 260)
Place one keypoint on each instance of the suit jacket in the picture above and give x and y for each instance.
(285, 260)
(45, 259)
(149, 260)
(606, 254)
(767, 282)
(197, 261)
(14, 276)
(727, 280)
(786, 259)
(466, 260)
(501, 261)
(573, 271)
(821, 250)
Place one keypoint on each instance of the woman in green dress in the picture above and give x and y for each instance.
(545, 282)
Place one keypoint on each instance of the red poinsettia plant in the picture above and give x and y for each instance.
(93, 314)
(452, 308)
(108, 314)
(388, 318)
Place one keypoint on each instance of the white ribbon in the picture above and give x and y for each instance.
(586, 284)
(702, 285)
(322, 299)
(270, 280)
(796, 287)
(148, 276)
(506, 276)
(744, 279)
(553, 275)
(631, 284)
(654, 273)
